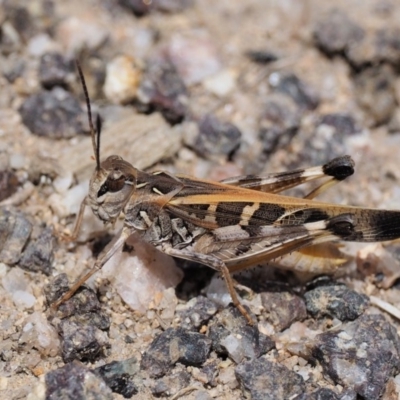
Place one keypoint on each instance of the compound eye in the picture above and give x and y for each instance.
(115, 185)
(111, 185)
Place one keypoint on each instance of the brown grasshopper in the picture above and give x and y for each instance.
(228, 225)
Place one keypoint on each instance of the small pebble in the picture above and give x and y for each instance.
(75, 381)
(22, 19)
(202, 395)
(336, 301)
(56, 288)
(264, 380)
(344, 124)
(11, 40)
(15, 281)
(232, 335)
(195, 58)
(55, 114)
(336, 32)
(167, 305)
(162, 89)
(302, 94)
(41, 44)
(55, 70)
(37, 333)
(83, 323)
(374, 90)
(330, 138)
(18, 161)
(216, 137)
(118, 376)
(221, 84)
(39, 254)
(123, 77)
(83, 307)
(379, 263)
(23, 299)
(63, 182)
(279, 123)
(218, 292)
(140, 7)
(262, 57)
(387, 45)
(360, 355)
(70, 201)
(171, 384)
(172, 346)
(210, 371)
(76, 34)
(15, 231)
(324, 394)
(283, 308)
(200, 310)
(81, 341)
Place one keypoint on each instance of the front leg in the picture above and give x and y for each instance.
(212, 262)
(104, 256)
(78, 223)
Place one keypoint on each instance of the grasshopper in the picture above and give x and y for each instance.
(228, 225)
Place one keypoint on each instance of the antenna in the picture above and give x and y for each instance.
(94, 133)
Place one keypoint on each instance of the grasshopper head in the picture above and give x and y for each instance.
(114, 179)
(111, 186)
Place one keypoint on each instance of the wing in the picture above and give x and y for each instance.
(215, 205)
(240, 247)
(323, 258)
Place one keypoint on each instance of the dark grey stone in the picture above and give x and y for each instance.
(199, 314)
(344, 124)
(55, 114)
(279, 122)
(216, 137)
(162, 89)
(81, 341)
(323, 394)
(75, 381)
(336, 33)
(361, 355)
(55, 70)
(232, 335)
(375, 93)
(336, 301)
(39, 254)
(171, 384)
(140, 7)
(15, 230)
(264, 380)
(301, 93)
(283, 308)
(118, 376)
(172, 346)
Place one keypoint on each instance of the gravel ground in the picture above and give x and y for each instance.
(214, 90)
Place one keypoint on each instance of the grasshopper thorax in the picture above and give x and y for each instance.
(110, 188)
